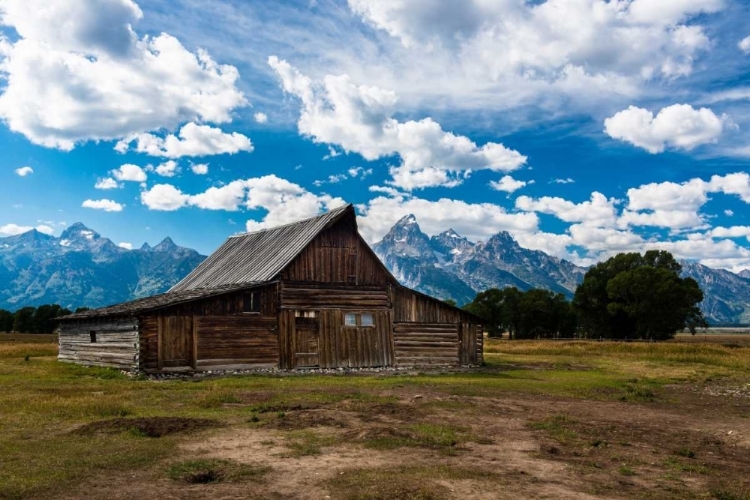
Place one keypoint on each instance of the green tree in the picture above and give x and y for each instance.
(23, 320)
(638, 296)
(44, 317)
(489, 305)
(6, 321)
(545, 314)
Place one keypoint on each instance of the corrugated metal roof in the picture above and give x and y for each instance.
(260, 255)
(157, 302)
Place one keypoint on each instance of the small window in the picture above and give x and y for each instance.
(251, 303)
(92, 333)
(350, 319)
(366, 320)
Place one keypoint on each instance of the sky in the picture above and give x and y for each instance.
(582, 127)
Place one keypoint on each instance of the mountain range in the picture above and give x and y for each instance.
(449, 266)
(83, 268)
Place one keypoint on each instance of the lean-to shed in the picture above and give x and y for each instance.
(307, 294)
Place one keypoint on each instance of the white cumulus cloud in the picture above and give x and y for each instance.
(15, 229)
(129, 172)
(199, 168)
(260, 117)
(744, 45)
(164, 197)
(104, 204)
(78, 71)
(24, 171)
(360, 119)
(507, 184)
(679, 126)
(107, 183)
(192, 140)
(125, 245)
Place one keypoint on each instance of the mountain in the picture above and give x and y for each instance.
(449, 266)
(726, 295)
(83, 268)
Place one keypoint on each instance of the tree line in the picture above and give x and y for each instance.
(629, 296)
(34, 319)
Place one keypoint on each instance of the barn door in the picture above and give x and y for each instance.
(177, 346)
(306, 342)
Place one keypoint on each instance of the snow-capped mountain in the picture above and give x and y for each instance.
(449, 266)
(83, 268)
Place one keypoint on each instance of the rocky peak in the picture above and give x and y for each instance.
(451, 245)
(405, 239)
(145, 247)
(167, 245)
(745, 273)
(79, 231)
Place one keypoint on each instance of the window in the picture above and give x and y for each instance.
(251, 302)
(366, 320)
(93, 336)
(362, 319)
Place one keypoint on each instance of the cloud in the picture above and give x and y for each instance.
(562, 181)
(360, 172)
(599, 211)
(167, 169)
(679, 126)
(229, 197)
(164, 197)
(360, 119)
(199, 168)
(125, 245)
(730, 232)
(15, 229)
(728, 213)
(260, 117)
(24, 171)
(507, 184)
(79, 72)
(107, 183)
(129, 172)
(192, 140)
(744, 45)
(474, 50)
(106, 205)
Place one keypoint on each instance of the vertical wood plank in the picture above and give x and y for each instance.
(160, 342)
(194, 358)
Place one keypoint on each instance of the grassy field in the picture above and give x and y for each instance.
(541, 419)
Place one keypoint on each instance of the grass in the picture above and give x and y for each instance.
(557, 428)
(43, 401)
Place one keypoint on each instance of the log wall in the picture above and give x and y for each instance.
(419, 344)
(116, 343)
(413, 307)
(305, 296)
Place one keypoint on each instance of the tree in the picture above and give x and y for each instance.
(6, 321)
(638, 296)
(44, 317)
(23, 321)
(450, 302)
(490, 306)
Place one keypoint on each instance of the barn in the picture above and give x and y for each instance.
(303, 295)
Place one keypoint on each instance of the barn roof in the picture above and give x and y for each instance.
(145, 304)
(259, 256)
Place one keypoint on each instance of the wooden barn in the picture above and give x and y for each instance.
(302, 295)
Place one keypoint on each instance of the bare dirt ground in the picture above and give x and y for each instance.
(688, 443)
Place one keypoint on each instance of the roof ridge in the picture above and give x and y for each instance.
(301, 221)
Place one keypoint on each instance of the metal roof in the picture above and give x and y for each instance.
(157, 302)
(259, 256)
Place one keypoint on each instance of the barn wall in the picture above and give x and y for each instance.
(337, 255)
(337, 345)
(116, 343)
(426, 329)
(237, 340)
(225, 335)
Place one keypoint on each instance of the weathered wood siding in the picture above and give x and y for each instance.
(426, 344)
(116, 343)
(219, 324)
(337, 255)
(308, 296)
(237, 340)
(411, 308)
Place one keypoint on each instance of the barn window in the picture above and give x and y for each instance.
(92, 333)
(363, 319)
(251, 303)
(366, 320)
(350, 319)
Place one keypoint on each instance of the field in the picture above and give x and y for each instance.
(555, 420)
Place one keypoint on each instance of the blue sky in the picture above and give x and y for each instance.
(582, 127)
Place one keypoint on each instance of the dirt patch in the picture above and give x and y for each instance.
(305, 419)
(154, 427)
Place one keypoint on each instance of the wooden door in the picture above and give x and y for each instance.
(177, 342)
(306, 342)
